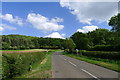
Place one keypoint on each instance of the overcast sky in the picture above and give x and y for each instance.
(55, 19)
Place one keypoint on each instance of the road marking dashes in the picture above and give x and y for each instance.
(90, 74)
(72, 63)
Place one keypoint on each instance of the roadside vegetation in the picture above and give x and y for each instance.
(42, 69)
(100, 47)
(18, 64)
(107, 63)
(21, 42)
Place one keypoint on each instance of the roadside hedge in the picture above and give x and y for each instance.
(14, 64)
(102, 54)
(105, 48)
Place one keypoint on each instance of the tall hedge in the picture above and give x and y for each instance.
(101, 54)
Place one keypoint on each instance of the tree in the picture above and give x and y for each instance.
(76, 38)
(99, 36)
(29, 42)
(69, 44)
(84, 43)
(115, 23)
(5, 45)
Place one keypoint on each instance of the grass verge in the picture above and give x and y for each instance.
(110, 64)
(41, 69)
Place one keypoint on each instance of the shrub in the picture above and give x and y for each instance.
(67, 50)
(82, 51)
(102, 48)
(104, 55)
(19, 63)
(117, 47)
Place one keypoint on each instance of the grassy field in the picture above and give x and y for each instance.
(27, 65)
(107, 63)
(24, 50)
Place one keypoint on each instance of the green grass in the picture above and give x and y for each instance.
(15, 64)
(27, 65)
(41, 70)
(110, 64)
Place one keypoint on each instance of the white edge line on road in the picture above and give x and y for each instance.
(72, 63)
(90, 74)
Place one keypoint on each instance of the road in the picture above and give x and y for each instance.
(67, 67)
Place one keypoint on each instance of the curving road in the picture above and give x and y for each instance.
(66, 67)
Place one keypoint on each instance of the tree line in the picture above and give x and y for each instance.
(98, 40)
(14, 42)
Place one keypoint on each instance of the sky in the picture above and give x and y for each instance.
(55, 19)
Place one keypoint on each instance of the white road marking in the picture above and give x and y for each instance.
(90, 74)
(72, 63)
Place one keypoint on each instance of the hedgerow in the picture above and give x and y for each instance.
(102, 54)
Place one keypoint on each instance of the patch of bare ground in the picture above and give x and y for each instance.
(44, 61)
(23, 51)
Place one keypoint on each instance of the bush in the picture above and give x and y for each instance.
(117, 47)
(102, 48)
(74, 52)
(104, 55)
(82, 51)
(14, 64)
(67, 50)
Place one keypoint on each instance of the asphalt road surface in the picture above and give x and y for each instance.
(67, 67)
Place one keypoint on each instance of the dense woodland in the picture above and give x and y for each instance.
(98, 40)
(28, 42)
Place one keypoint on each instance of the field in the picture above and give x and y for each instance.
(17, 64)
(22, 51)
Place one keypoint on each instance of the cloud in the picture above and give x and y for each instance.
(90, 0)
(1, 28)
(56, 35)
(11, 19)
(56, 19)
(5, 26)
(43, 23)
(86, 29)
(89, 11)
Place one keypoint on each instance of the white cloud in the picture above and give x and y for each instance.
(11, 19)
(86, 29)
(80, 30)
(88, 11)
(56, 35)
(56, 19)
(90, 0)
(1, 28)
(5, 26)
(43, 23)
